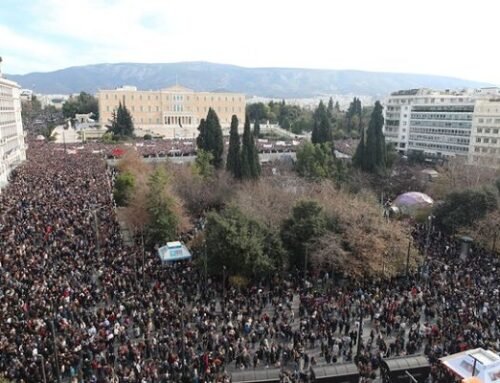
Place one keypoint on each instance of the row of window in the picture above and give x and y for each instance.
(453, 140)
(446, 132)
(447, 108)
(441, 116)
(487, 130)
(176, 97)
(488, 120)
(486, 140)
(442, 124)
(179, 108)
(483, 149)
(430, 145)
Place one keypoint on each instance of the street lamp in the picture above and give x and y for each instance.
(224, 289)
(408, 257)
(42, 361)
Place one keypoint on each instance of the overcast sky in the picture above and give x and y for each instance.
(457, 38)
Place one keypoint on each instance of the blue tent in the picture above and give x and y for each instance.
(173, 251)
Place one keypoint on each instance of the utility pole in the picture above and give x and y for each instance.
(56, 354)
(205, 263)
(223, 290)
(42, 361)
(64, 141)
(305, 266)
(96, 225)
(143, 260)
(408, 258)
(360, 329)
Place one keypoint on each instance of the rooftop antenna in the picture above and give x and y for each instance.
(176, 83)
(1, 66)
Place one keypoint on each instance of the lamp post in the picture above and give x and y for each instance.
(305, 265)
(428, 237)
(408, 258)
(56, 354)
(224, 290)
(42, 361)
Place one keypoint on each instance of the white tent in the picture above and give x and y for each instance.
(483, 365)
(173, 251)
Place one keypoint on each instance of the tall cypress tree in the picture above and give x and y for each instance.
(201, 139)
(322, 128)
(256, 129)
(210, 137)
(358, 160)
(371, 154)
(250, 166)
(233, 162)
(122, 124)
(377, 124)
(329, 109)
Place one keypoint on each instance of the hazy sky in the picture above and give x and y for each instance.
(457, 38)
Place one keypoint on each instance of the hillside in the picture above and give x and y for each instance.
(204, 76)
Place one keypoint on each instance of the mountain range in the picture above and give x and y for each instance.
(205, 76)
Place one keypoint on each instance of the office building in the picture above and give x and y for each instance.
(12, 147)
(172, 112)
(437, 123)
(485, 135)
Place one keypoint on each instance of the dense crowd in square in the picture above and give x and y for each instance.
(86, 307)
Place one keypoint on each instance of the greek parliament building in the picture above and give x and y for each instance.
(173, 112)
(445, 123)
(12, 148)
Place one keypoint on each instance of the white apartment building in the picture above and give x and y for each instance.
(437, 123)
(12, 147)
(485, 135)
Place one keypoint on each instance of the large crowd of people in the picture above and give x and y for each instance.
(77, 304)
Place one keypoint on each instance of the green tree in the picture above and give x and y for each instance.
(210, 138)
(257, 111)
(233, 161)
(122, 125)
(124, 185)
(82, 104)
(463, 208)
(244, 246)
(307, 224)
(203, 164)
(358, 160)
(330, 109)
(163, 221)
(371, 154)
(322, 128)
(250, 165)
(256, 129)
(316, 161)
(355, 109)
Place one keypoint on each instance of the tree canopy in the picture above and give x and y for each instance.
(233, 161)
(322, 129)
(464, 208)
(122, 125)
(160, 206)
(82, 104)
(371, 153)
(244, 246)
(307, 223)
(250, 165)
(210, 137)
(315, 161)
